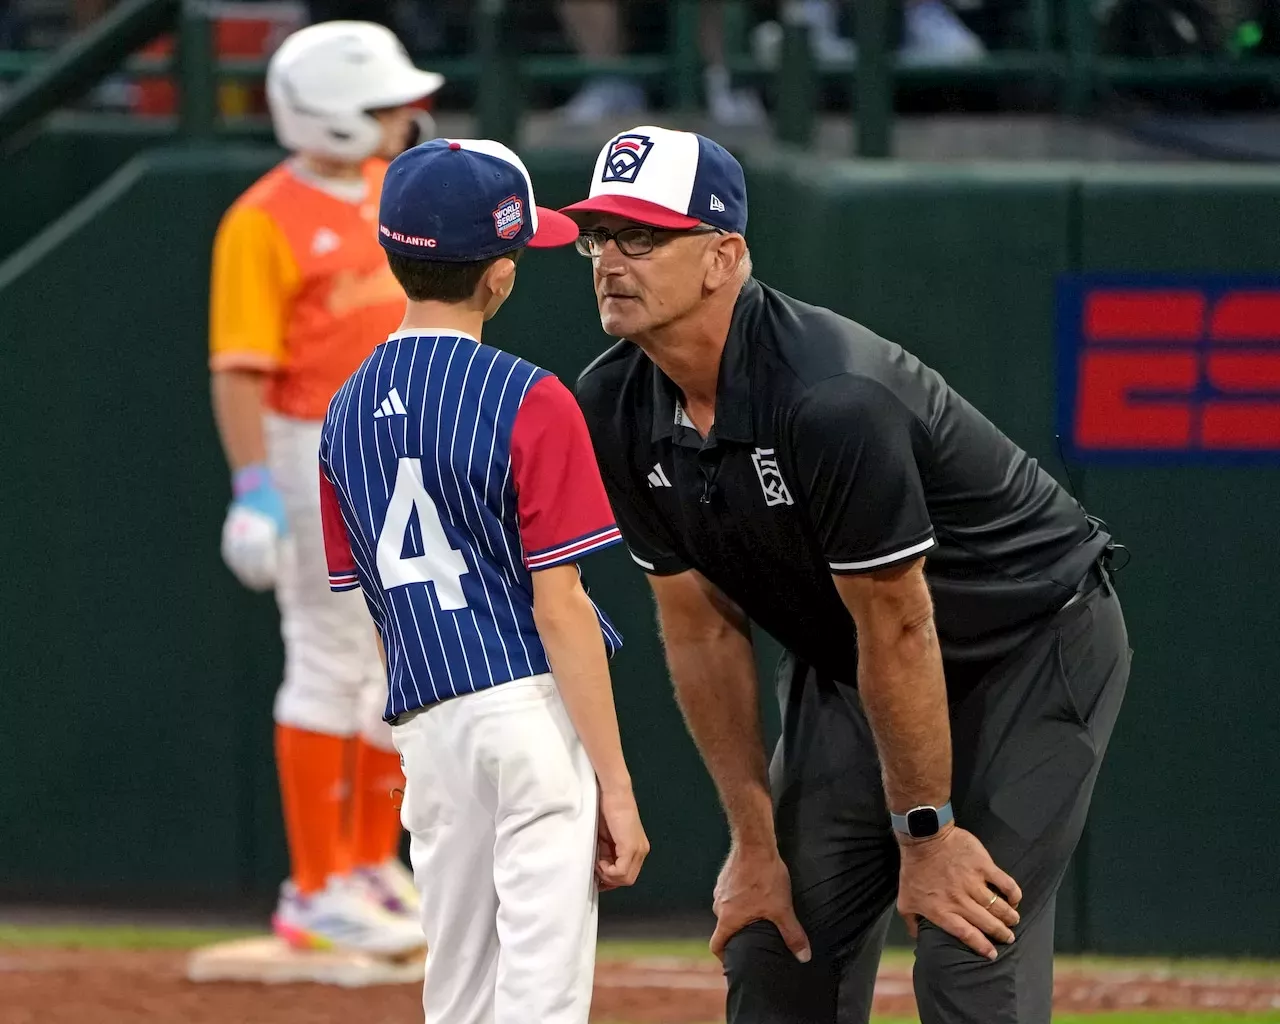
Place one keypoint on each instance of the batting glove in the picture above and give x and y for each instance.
(254, 525)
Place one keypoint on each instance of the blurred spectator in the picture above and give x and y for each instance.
(379, 11)
(10, 27)
(594, 28)
(85, 12)
(931, 33)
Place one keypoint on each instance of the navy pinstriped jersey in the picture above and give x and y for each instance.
(449, 471)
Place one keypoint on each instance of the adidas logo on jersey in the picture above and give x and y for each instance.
(658, 478)
(390, 406)
(324, 242)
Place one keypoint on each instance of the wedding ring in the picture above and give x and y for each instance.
(993, 901)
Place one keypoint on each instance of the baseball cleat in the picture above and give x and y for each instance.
(390, 885)
(341, 916)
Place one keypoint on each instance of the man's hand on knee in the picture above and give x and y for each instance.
(754, 885)
(952, 881)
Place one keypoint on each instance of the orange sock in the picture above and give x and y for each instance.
(375, 815)
(312, 770)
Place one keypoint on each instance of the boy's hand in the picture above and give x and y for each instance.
(621, 843)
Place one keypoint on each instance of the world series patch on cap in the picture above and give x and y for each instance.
(667, 179)
(458, 200)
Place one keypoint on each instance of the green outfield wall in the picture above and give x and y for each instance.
(135, 741)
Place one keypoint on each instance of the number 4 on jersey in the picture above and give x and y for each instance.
(440, 562)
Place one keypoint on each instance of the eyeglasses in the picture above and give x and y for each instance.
(633, 241)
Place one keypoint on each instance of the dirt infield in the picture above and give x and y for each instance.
(78, 986)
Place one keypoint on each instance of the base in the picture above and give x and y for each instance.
(268, 960)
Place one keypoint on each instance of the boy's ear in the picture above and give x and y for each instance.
(500, 277)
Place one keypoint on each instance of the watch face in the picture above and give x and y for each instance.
(922, 823)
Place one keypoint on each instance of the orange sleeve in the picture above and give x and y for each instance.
(254, 278)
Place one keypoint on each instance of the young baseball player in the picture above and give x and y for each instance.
(300, 294)
(459, 490)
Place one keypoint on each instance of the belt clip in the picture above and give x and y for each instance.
(1103, 564)
(1106, 562)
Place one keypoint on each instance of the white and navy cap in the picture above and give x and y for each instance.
(460, 200)
(667, 179)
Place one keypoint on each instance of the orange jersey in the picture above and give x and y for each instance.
(301, 288)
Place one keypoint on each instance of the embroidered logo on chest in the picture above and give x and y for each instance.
(325, 241)
(771, 482)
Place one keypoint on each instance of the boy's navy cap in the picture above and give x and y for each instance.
(667, 179)
(458, 200)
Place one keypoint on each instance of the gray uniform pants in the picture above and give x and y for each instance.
(1028, 740)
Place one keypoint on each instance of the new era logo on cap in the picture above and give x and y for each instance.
(458, 200)
(668, 179)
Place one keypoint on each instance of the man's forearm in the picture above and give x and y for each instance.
(716, 688)
(903, 691)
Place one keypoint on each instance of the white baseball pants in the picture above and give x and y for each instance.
(333, 678)
(500, 803)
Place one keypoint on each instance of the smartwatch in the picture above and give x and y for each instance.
(923, 822)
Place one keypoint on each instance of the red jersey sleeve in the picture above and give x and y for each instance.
(337, 544)
(563, 511)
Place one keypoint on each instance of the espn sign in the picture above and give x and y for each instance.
(1169, 368)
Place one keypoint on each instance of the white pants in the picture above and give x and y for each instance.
(333, 678)
(500, 803)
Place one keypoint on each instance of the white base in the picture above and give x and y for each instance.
(271, 961)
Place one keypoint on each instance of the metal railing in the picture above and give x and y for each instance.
(1073, 73)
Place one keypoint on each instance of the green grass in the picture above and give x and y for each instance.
(1182, 967)
(696, 949)
(96, 936)
(112, 936)
(641, 949)
(100, 936)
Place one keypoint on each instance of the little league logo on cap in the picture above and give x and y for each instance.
(667, 179)
(626, 155)
(460, 200)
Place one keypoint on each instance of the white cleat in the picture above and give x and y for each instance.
(342, 917)
(390, 885)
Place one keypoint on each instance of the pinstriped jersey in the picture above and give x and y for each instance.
(449, 472)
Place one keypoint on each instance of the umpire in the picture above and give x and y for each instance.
(955, 653)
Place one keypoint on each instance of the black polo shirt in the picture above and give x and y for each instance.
(834, 451)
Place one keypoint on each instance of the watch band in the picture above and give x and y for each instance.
(902, 822)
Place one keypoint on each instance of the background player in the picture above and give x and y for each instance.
(300, 294)
(463, 480)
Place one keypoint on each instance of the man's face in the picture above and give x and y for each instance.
(636, 294)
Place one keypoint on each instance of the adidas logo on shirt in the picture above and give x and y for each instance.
(324, 242)
(391, 406)
(658, 478)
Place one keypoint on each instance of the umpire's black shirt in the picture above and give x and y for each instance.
(834, 451)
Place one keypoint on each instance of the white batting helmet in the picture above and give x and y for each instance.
(324, 78)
